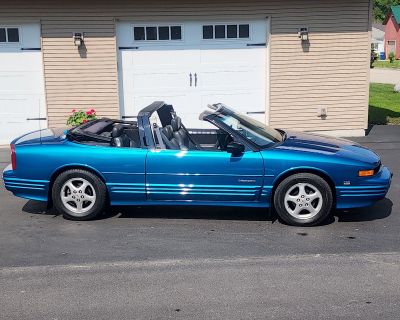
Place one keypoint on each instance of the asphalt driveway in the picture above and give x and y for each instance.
(203, 263)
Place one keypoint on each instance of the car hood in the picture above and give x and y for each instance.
(321, 144)
(45, 136)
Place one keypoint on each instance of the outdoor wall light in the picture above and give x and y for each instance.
(303, 34)
(78, 38)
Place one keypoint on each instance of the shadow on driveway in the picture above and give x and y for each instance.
(380, 210)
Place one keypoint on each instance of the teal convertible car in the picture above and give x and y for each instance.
(156, 160)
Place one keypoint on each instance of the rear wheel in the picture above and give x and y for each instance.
(303, 199)
(79, 194)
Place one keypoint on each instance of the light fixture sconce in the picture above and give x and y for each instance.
(303, 33)
(78, 38)
(322, 112)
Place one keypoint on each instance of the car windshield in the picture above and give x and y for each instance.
(251, 129)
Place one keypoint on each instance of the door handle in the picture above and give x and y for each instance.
(190, 79)
(195, 79)
(256, 44)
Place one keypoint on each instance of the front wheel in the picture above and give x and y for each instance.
(79, 194)
(303, 199)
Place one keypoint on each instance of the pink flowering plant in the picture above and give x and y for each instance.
(79, 117)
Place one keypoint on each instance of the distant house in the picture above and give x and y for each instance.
(378, 38)
(392, 32)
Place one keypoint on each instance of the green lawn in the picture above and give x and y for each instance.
(386, 64)
(384, 104)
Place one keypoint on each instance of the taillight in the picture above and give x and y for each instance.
(13, 157)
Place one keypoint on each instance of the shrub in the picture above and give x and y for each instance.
(391, 57)
(78, 117)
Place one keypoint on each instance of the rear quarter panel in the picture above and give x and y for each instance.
(122, 169)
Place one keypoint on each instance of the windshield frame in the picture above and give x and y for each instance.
(224, 111)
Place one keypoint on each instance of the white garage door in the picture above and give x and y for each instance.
(21, 81)
(192, 64)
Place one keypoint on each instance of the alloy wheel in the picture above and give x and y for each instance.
(78, 196)
(303, 201)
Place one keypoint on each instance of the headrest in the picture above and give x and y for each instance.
(168, 132)
(117, 130)
(176, 123)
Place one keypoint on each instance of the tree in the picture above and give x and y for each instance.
(382, 7)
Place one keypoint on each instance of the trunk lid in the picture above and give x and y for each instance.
(45, 136)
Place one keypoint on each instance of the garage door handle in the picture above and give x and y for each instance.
(190, 79)
(35, 119)
(256, 44)
(127, 48)
(31, 49)
(255, 112)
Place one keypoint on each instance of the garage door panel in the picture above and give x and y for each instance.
(193, 72)
(21, 85)
(235, 56)
(164, 57)
(20, 61)
(159, 80)
(14, 112)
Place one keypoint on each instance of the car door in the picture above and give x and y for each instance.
(196, 175)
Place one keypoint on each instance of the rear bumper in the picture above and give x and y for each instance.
(25, 188)
(372, 190)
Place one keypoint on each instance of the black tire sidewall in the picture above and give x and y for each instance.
(97, 184)
(317, 182)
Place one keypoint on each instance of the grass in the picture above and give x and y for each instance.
(386, 64)
(384, 104)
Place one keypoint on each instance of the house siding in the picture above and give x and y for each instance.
(333, 71)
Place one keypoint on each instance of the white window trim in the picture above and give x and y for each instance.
(157, 25)
(12, 44)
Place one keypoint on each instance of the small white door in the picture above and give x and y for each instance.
(21, 81)
(391, 47)
(192, 64)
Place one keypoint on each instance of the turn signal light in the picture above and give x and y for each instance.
(365, 173)
(13, 157)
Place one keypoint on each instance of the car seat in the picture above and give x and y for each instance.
(120, 138)
(180, 134)
(167, 135)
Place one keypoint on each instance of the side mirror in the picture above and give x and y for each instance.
(235, 148)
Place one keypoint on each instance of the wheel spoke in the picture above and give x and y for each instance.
(71, 186)
(79, 205)
(83, 186)
(297, 209)
(291, 198)
(313, 196)
(311, 209)
(302, 189)
(88, 197)
(68, 198)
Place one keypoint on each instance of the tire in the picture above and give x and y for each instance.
(79, 195)
(303, 199)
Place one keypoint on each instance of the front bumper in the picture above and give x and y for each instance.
(25, 188)
(371, 190)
